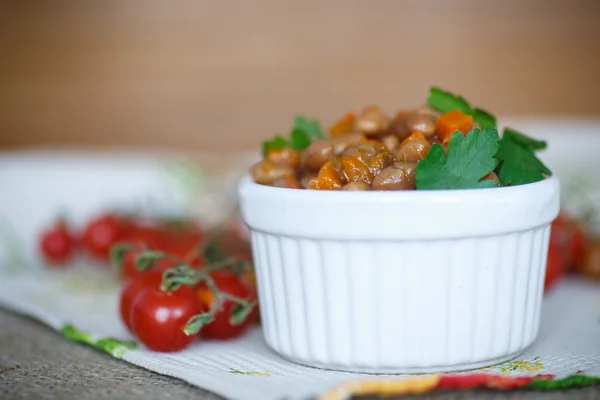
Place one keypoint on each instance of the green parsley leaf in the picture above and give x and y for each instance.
(531, 143)
(311, 127)
(518, 163)
(469, 159)
(304, 131)
(300, 139)
(484, 118)
(278, 142)
(443, 101)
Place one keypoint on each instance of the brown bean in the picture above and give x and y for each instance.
(373, 155)
(266, 172)
(285, 156)
(413, 151)
(317, 154)
(341, 142)
(372, 121)
(357, 186)
(391, 142)
(399, 176)
(421, 123)
(366, 149)
(426, 110)
(398, 124)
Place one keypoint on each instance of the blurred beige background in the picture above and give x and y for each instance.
(222, 75)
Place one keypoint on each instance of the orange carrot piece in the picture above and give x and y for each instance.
(414, 135)
(452, 121)
(343, 126)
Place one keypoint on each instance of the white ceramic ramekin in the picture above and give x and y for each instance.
(389, 282)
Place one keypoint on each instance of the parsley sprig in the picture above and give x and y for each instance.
(518, 162)
(513, 157)
(469, 159)
(304, 131)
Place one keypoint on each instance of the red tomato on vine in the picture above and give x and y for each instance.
(102, 233)
(554, 267)
(158, 318)
(222, 327)
(57, 244)
(134, 288)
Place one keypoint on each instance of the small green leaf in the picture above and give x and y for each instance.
(484, 118)
(303, 132)
(211, 252)
(239, 266)
(311, 127)
(469, 159)
(117, 254)
(444, 101)
(300, 140)
(146, 260)
(533, 144)
(182, 274)
(196, 323)
(277, 142)
(518, 162)
(240, 311)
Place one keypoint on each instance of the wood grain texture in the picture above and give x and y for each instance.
(222, 75)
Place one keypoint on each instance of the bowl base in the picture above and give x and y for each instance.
(404, 370)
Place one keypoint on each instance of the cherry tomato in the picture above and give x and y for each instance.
(577, 246)
(197, 262)
(128, 269)
(134, 288)
(554, 267)
(158, 318)
(182, 243)
(177, 241)
(147, 234)
(590, 265)
(220, 327)
(249, 278)
(179, 249)
(570, 237)
(57, 244)
(231, 243)
(102, 233)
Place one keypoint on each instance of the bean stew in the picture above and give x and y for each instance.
(445, 144)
